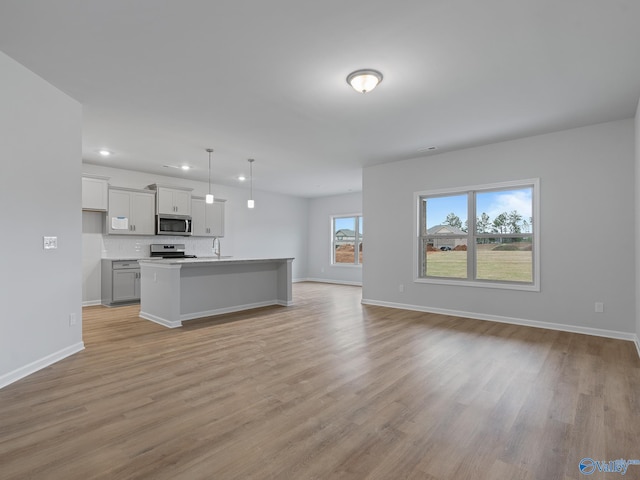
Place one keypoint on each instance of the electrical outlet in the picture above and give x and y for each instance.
(599, 307)
(49, 243)
(72, 319)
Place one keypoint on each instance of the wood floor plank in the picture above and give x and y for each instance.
(324, 389)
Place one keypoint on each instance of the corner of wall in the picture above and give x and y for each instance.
(637, 222)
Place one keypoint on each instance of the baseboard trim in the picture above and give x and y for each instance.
(159, 320)
(210, 313)
(511, 320)
(91, 303)
(637, 342)
(335, 282)
(44, 362)
(236, 308)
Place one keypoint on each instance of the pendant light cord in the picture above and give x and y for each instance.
(210, 150)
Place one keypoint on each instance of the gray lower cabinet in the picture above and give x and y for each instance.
(120, 281)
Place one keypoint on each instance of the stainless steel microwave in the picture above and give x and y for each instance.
(173, 225)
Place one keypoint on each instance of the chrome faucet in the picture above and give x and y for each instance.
(216, 247)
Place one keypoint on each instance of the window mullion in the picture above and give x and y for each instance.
(471, 227)
(422, 268)
(356, 239)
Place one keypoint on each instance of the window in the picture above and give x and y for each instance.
(482, 236)
(346, 244)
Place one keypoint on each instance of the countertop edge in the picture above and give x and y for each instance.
(209, 261)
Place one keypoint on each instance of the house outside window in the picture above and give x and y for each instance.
(347, 240)
(483, 235)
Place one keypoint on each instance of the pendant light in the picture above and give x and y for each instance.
(251, 203)
(209, 196)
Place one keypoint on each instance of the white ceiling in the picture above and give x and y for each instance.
(161, 80)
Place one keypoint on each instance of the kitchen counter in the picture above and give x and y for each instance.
(179, 289)
(209, 260)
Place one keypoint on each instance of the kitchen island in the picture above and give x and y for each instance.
(175, 290)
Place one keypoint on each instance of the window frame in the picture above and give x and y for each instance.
(472, 235)
(357, 240)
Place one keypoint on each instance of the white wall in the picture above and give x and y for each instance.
(319, 263)
(40, 190)
(276, 227)
(637, 216)
(587, 227)
(92, 251)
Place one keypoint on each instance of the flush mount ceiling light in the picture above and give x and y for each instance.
(251, 203)
(364, 81)
(104, 152)
(209, 196)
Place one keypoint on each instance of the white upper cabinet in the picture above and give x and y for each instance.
(207, 218)
(131, 212)
(94, 193)
(172, 200)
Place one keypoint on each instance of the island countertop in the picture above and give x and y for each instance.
(210, 260)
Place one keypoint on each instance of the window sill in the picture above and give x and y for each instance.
(347, 265)
(528, 287)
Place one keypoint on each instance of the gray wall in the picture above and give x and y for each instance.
(587, 228)
(637, 216)
(276, 227)
(319, 262)
(40, 190)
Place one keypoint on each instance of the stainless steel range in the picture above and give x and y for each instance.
(164, 250)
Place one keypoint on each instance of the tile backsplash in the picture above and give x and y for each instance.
(130, 247)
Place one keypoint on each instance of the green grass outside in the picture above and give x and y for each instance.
(514, 266)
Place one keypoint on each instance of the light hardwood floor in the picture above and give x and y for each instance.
(325, 389)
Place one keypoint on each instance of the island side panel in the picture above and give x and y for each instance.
(160, 293)
(222, 288)
(285, 279)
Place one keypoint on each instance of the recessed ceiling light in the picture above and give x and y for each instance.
(181, 167)
(242, 178)
(104, 152)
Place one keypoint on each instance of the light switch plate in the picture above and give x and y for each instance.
(49, 242)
